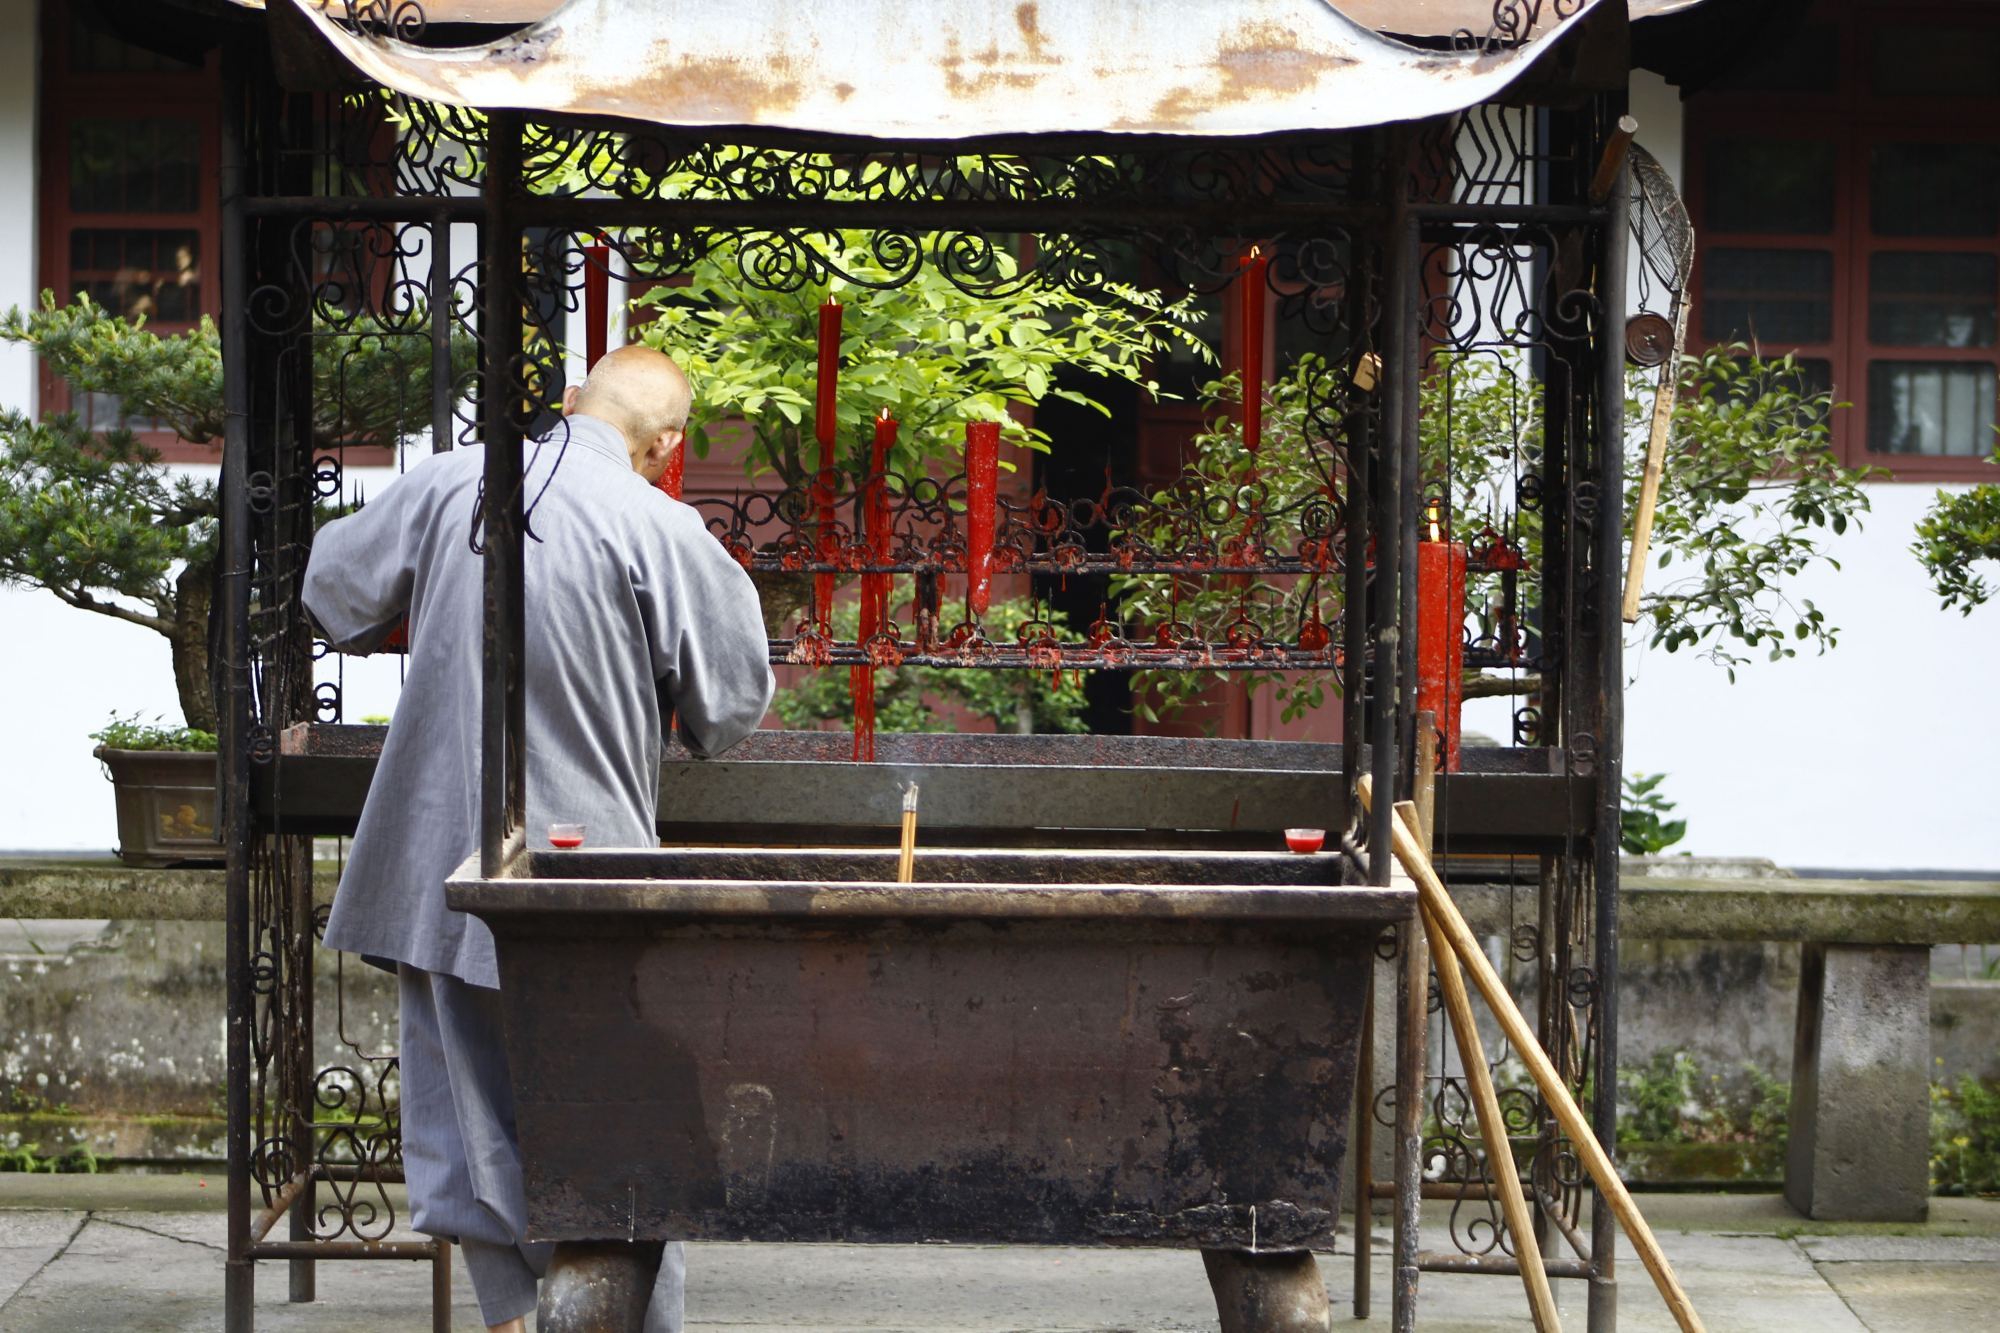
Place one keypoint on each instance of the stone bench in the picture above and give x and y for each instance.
(1859, 1145)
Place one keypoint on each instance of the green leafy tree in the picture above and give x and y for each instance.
(923, 351)
(1752, 494)
(909, 698)
(94, 519)
(1955, 535)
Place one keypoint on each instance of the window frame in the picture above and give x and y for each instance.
(67, 96)
(1854, 120)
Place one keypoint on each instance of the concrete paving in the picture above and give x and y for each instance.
(144, 1253)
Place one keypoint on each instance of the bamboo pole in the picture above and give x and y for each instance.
(1492, 1125)
(1431, 893)
(1656, 466)
(906, 861)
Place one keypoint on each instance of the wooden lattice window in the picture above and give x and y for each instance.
(1846, 194)
(128, 202)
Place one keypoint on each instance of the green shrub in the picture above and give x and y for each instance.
(908, 698)
(129, 733)
(1965, 1137)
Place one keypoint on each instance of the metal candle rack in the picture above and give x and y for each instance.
(1393, 251)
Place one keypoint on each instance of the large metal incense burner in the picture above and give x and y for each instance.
(1024, 1046)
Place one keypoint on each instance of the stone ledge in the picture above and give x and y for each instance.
(35, 888)
(1651, 906)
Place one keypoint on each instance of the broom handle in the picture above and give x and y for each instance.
(1656, 466)
(1492, 1125)
(1431, 893)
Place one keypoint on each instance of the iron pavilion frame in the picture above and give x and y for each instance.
(1473, 236)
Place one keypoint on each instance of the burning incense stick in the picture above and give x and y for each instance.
(906, 863)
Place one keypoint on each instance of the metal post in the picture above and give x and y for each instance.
(1607, 589)
(442, 388)
(441, 1288)
(503, 787)
(1391, 606)
(233, 720)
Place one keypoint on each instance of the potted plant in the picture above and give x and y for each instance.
(94, 519)
(165, 783)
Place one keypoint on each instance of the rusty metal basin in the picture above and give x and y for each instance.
(1038, 1047)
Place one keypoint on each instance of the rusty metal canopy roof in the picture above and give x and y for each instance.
(954, 69)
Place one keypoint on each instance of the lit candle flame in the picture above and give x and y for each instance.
(1434, 515)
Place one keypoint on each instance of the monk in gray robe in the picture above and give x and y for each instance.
(635, 615)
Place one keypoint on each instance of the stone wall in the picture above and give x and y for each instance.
(114, 1029)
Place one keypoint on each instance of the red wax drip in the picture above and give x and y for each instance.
(875, 587)
(1441, 638)
(596, 303)
(826, 427)
(982, 483)
(1250, 287)
(674, 477)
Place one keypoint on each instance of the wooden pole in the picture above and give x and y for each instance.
(1492, 1125)
(1656, 466)
(1431, 893)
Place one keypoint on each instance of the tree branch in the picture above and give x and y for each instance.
(83, 601)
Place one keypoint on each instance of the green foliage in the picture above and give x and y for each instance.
(176, 379)
(94, 519)
(931, 356)
(86, 516)
(1643, 829)
(1292, 465)
(1669, 1100)
(909, 698)
(78, 1159)
(1953, 534)
(129, 733)
(1965, 1137)
(1751, 493)
(371, 373)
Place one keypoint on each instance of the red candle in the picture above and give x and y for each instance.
(982, 481)
(826, 404)
(1441, 632)
(876, 514)
(826, 426)
(596, 303)
(1251, 308)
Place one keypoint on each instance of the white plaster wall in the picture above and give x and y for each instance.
(1878, 755)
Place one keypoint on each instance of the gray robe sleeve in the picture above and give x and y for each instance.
(363, 566)
(706, 627)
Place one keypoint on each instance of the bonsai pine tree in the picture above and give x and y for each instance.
(92, 516)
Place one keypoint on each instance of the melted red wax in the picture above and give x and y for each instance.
(1305, 842)
(875, 587)
(567, 841)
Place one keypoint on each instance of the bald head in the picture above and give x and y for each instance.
(645, 395)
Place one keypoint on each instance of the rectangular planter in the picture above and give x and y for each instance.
(166, 806)
(1022, 1050)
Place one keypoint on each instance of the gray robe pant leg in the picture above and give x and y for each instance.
(460, 1153)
